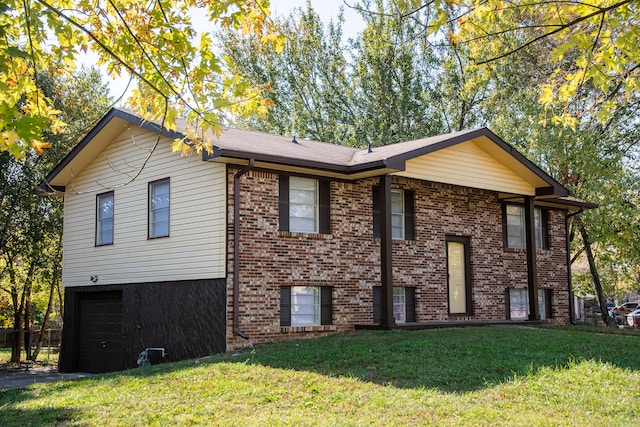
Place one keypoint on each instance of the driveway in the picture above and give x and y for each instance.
(18, 378)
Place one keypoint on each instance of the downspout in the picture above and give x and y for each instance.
(572, 308)
(236, 248)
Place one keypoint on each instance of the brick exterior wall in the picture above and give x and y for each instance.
(348, 259)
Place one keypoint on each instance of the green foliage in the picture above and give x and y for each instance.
(589, 46)
(31, 225)
(472, 376)
(178, 70)
(369, 90)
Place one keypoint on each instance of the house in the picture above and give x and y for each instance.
(269, 238)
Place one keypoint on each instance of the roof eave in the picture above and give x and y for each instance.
(114, 113)
(347, 170)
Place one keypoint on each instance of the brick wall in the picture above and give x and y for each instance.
(348, 258)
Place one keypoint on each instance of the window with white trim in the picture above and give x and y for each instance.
(303, 205)
(519, 304)
(399, 305)
(104, 219)
(159, 204)
(402, 211)
(404, 304)
(516, 227)
(305, 305)
(397, 214)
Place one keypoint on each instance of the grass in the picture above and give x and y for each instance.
(472, 376)
(45, 357)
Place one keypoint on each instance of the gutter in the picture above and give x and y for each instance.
(236, 248)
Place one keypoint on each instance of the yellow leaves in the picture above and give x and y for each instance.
(546, 94)
(178, 71)
(39, 146)
(277, 41)
(10, 141)
(181, 145)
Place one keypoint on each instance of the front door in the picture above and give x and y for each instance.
(99, 343)
(458, 278)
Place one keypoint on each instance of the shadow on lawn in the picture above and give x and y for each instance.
(12, 415)
(449, 360)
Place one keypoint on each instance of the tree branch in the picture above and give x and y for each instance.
(102, 46)
(600, 11)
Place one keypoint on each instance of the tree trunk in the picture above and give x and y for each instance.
(53, 284)
(27, 321)
(16, 344)
(594, 273)
(18, 305)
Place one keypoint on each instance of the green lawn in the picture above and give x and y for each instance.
(472, 376)
(45, 357)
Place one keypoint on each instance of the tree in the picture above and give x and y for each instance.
(375, 90)
(178, 69)
(31, 225)
(594, 45)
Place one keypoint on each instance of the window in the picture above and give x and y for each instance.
(402, 207)
(459, 275)
(104, 219)
(399, 305)
(159, 209)
(516, 227)
(519, 304)
(305, 305)
(304, 205)
(397, 214)
(404, 304)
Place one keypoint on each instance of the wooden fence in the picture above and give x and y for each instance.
(51, 337)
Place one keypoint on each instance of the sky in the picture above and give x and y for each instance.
(326, 9)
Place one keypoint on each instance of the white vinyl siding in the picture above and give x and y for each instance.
(468, 165)
(196, 248)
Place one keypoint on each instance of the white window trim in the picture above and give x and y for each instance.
(314, 207)
(300, 311)
(398, 214)
(542, 304)
(399, 305)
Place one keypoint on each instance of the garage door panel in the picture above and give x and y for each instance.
(99, 347)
